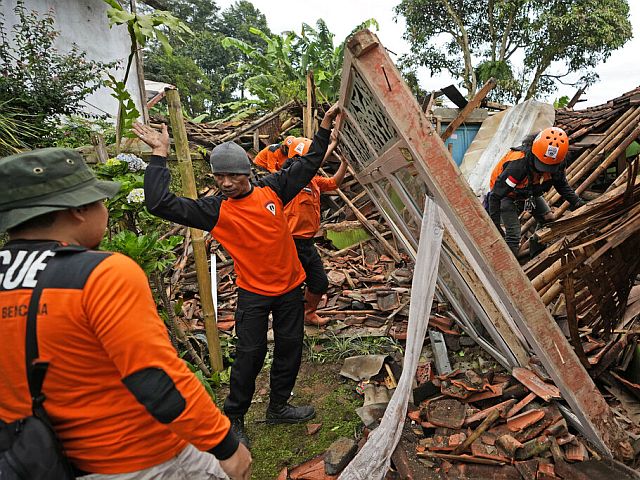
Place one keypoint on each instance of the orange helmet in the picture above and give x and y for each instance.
(549, 148)
(297, 146)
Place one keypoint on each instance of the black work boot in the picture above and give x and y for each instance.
(285, 413)
(237, 426)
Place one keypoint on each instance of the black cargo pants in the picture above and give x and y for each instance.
(510, 210)
(317, 281)
(252, 319)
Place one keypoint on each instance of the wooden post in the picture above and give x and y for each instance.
(309, 110)
(471, 106)
(197, 237)
(97, 139)
(140, 72)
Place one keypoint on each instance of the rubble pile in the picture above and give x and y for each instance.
(508, 424)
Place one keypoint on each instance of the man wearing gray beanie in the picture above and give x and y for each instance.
(249, 222)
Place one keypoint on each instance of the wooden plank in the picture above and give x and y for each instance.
(391, 114)
(470, 107)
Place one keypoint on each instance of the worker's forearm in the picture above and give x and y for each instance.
(202, 213)
(340, 174)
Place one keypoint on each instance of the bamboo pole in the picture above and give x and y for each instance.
(197, 236)
(610, 133)
(601, 168)
(615, 140)
(308, 115)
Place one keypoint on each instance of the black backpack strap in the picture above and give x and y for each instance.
(37, 370)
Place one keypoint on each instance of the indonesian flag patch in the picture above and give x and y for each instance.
(512, 182)
(271, 207)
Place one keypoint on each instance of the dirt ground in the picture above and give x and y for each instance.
(277, 446)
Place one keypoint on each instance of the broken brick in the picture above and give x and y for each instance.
(576, 452)
(414, 416)
(310, 470)
(457, 439)
(524, 420)
(440, 443)
(521, 404)
(567, 438)
(493, 392)
(545, 471)
(444, 324)
(528, 468)
(481, 415)
(313, 428)
(558, 429)
(488, 438)
(448, 413)
(479, 449)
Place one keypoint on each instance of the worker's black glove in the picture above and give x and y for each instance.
(578, 204)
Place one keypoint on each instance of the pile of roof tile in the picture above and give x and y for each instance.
(496, 425)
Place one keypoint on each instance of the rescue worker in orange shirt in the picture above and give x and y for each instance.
(120, 400)
(523, 175)
(248, 220)
(303, 217)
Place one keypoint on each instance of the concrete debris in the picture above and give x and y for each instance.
(339, 454)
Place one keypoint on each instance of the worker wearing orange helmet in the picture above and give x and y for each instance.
(523, 175)
(303, 216)
(274, 156)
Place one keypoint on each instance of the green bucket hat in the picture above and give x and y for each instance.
(45, 180)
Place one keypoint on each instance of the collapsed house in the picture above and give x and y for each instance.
(565, 319)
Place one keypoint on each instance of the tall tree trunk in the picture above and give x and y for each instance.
(492, 29)
(469, 79)
(533, 86)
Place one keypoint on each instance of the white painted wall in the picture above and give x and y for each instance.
(85, 24)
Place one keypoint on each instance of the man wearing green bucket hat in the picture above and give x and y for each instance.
(121, 402)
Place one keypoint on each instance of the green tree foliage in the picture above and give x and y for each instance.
(528, 45)
(36, 80)
(277, 74)
(198, 66)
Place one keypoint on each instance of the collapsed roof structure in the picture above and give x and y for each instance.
(399, 159)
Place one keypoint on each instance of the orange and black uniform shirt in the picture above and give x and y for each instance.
(252, 228)
(271, 158)
(303, 212)
(512, 176)
(119, 397)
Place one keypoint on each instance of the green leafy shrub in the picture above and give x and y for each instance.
(75, 131)
(38, 80)
(148, 251)
(126, 208)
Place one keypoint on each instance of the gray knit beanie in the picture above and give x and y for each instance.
(229, 157)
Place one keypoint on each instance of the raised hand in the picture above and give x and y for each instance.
(158, 141)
